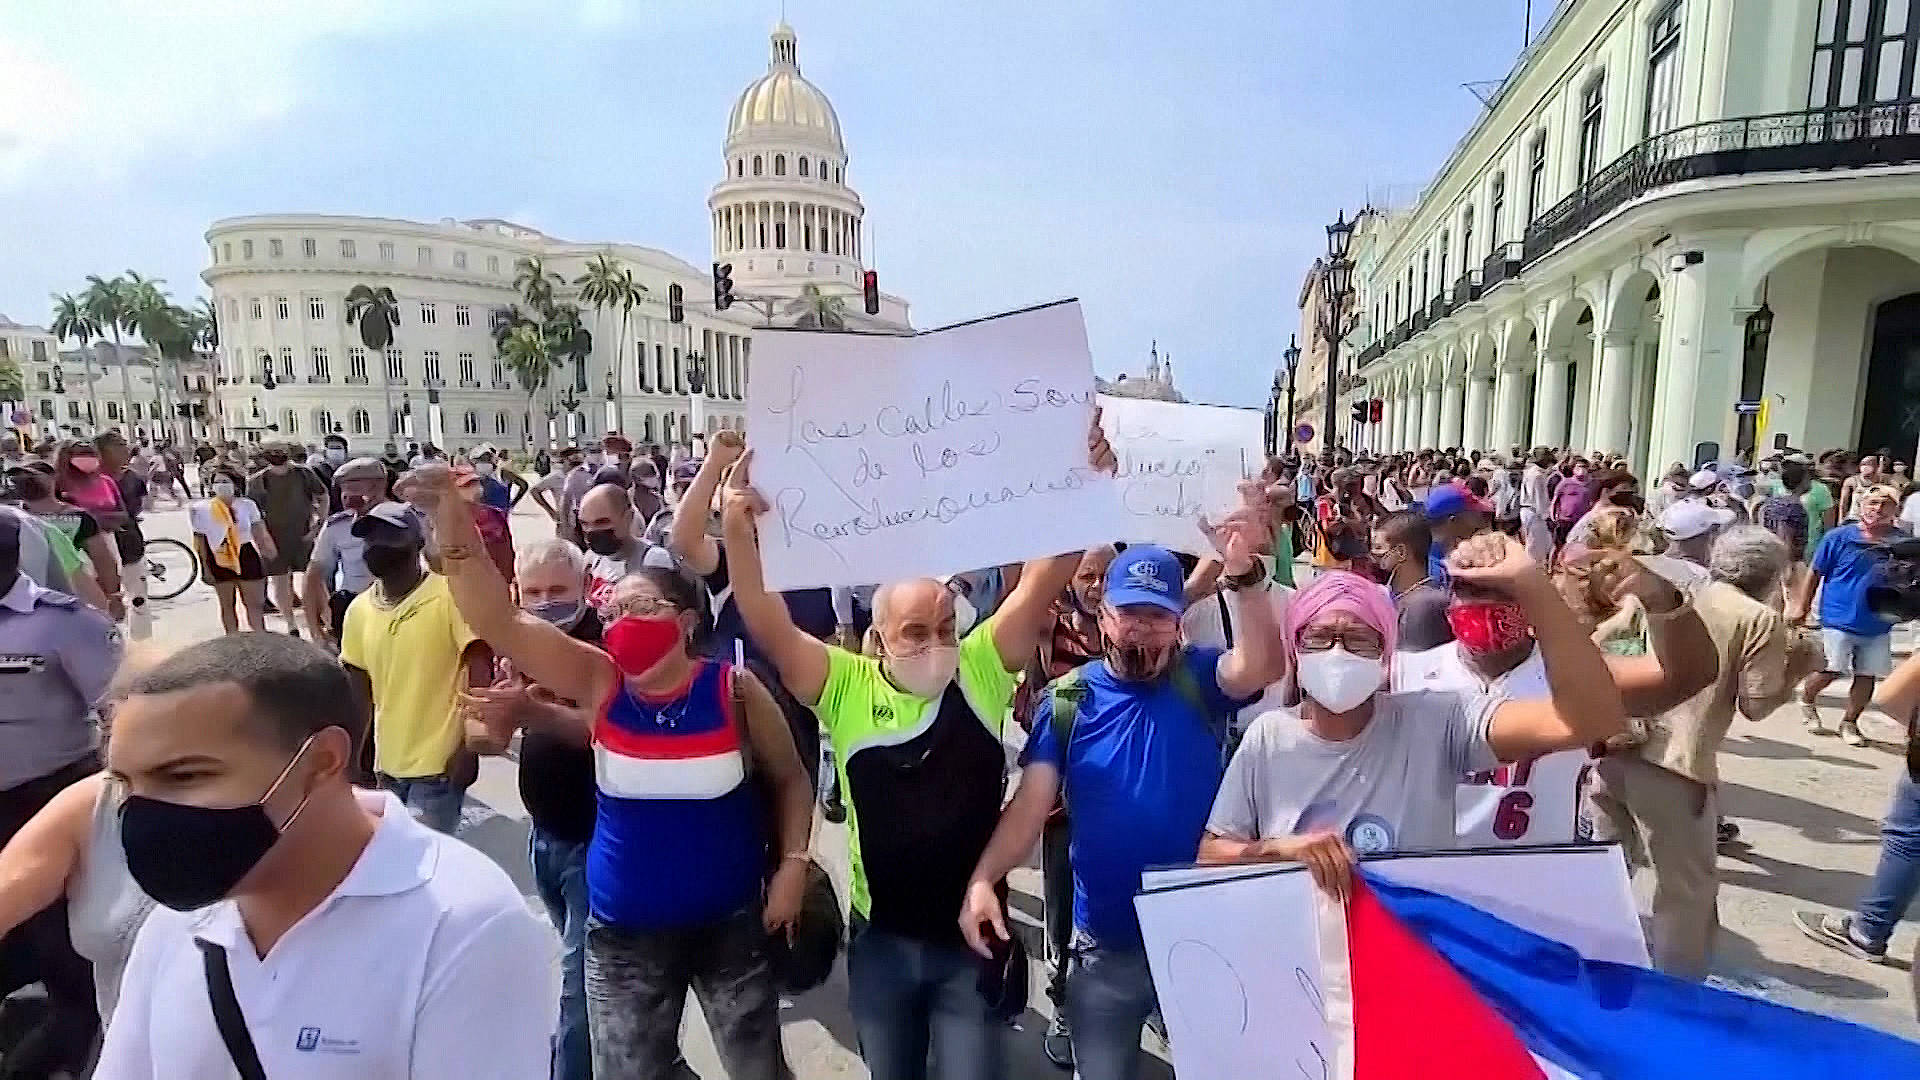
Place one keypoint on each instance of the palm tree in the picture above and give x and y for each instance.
(533, 280)
(111, 302)
(165, 328)
(528, 353)
(818, 310)
(376, 312)
(145, 300)
(74, 318)
(607, 284)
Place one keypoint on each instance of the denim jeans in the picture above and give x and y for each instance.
(1109, 995)
(432, 799)
(1897, 879)
(910, 997)
(560, 876)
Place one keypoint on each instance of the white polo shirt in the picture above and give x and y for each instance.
(1534, 802)
(424, 963)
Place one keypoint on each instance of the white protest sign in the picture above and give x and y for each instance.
(891, 457)
(1178, 462)
(1237, 961)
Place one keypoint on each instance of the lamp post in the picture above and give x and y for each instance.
(613, 410)
(1335, 294)
(570, 404)
(1292, 358)
(696, 400)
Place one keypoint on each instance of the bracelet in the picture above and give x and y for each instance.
(1253, 576)
(797, 856)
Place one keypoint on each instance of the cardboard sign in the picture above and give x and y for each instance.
(1179, 462)
(891, 457)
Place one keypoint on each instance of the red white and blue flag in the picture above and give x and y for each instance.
(1440, 990)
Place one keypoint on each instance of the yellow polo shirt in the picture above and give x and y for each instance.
(411, 653)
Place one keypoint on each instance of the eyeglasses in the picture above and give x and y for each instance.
(1365, 644)
(645, 608)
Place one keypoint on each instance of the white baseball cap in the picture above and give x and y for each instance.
(1704, 480)
(1690, 518)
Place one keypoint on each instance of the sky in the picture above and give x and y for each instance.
(1172, 165)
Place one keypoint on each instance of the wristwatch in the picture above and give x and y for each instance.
(1253, 576)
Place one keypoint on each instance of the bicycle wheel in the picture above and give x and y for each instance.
(172, 568)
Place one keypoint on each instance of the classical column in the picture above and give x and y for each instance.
(1452, 404)
(1550, 400)
(1511, 426)
(1410, 418)
(1479, 395)
(1613, 407)
(1430, 419)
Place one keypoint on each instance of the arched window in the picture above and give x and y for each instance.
(362, 423)
(646, 427)
(470, 423)
(804, 167)
(779, 164)
(756, 164)
(740, 166)
(839, 175)
(290, 423)
(500, 423)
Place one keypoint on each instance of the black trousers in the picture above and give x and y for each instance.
(40, 950)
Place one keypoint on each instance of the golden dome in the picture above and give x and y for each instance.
(782, 104)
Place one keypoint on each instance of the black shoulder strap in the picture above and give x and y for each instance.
(226, 1013)
(1226, 616)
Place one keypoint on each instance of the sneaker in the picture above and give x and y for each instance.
(1058, 1042)
(1850, 734)
(1836, 931)
(1727, 832)
(1810, 713)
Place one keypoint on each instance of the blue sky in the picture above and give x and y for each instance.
(1173, 171)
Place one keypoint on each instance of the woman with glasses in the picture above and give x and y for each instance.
(1352, 767)
(685, 751)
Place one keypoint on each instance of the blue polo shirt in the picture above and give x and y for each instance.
(1139, 786)
(1848, 563)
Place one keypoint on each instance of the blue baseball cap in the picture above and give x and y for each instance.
(1449, 499)
(1147, 575)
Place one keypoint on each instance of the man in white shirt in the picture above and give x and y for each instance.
(355, 941)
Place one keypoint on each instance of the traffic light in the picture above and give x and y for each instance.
(1379, 411)
(1359, 412)
(870, 289)
(676, 307)
(722, 286)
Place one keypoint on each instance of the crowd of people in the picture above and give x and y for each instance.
(255, 861)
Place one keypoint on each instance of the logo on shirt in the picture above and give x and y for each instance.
(309, 1039)
(883, 711)
(1144, 575)
(1369, 834)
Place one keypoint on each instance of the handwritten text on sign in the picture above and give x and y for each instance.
(1178, 462)
(885, 458)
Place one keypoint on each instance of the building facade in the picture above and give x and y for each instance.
(76, 392)
(1681, 229)
(290, 366)
(1155, 385)
(1310, 376)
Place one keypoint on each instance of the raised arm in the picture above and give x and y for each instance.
(1681, 659)
(1026, 615)
(1584, 707)
(800, 659)
(688, 539)
(1256, 660)
(544, 652)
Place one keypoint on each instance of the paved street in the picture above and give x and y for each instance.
(1809, 809)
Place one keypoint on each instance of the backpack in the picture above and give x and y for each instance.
(1069, 690)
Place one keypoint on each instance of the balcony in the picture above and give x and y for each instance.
(1503, 262)
(1467, 289)
(1371, 353)
(1437, 309)
(1419, 321)
(433, 382)
(396, 380)
(319, 380)
(502, 384)
(469, 384)
(1816, 139)
(356, 380)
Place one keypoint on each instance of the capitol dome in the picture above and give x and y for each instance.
(783, 105)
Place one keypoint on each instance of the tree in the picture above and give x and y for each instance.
(13, 382)
(73, 318)
(533, 280)
(527, 352)
(142, 299)
(817, 310)
(607, 284)
(376, 312)
(169, 332)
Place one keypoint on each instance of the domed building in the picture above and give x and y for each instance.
(289, 365)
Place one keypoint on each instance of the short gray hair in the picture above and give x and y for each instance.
(548, 552)
(1749, 558)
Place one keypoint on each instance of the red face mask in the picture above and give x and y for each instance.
(1482, 627)
(637, 644)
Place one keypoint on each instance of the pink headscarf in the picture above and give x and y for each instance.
(1339, 590)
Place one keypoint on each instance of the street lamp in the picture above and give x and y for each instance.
(1335, 296)
(696, 403)
(1292, 358)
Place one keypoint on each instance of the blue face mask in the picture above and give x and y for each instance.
(565, 614)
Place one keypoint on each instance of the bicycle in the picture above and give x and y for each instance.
(172, 568)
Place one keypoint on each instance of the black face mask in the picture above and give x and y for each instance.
(187, 857)
(384, 560)
(603, 541)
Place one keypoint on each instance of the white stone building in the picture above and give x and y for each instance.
(1679, 222)
(59, 404)
(782, 215)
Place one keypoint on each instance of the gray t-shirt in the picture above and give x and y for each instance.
(1423, 617)
(1389, 789)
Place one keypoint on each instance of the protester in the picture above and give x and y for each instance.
(1858, 642)
(1138, 760)
(408, 654)
(292, 503)
(1536, 523)
(501, 488)
(1353, 769)
(549, 492)
(917, 732)
(1853, 490)
(128, 538)
(677, 858)
(60, 656)
(1453, 513)
(336, 924)
(32, 485)
(614, 547)
(1402, 544)
(231, 539)
(338, 571)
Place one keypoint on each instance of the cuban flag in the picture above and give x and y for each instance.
(1438, 989)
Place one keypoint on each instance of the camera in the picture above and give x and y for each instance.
(1897, 596)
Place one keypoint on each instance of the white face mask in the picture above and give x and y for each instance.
(964, 615)
(483, 468)
(1339, 680)
(223, 489)
(927, 673)
(335, 455)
